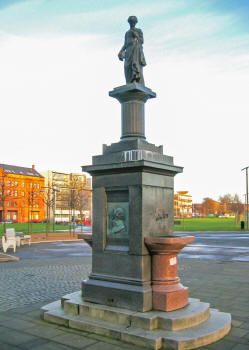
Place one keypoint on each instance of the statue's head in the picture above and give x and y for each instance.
(118, 213)
(132, 20)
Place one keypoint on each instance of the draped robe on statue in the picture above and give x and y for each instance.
(132, 52)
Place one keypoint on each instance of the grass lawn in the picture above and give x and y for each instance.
(193, 224)
(36, 227)
(207, 224)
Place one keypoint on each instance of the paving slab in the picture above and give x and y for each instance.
(74, 340)
(13, 337)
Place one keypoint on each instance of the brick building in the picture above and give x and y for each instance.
(21, 194)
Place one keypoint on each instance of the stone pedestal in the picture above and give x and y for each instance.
(168, 293)
(133, 198)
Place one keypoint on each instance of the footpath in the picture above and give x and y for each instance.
(42, 237)
(30, 283)
(34, 283)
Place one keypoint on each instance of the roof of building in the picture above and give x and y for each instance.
(19, 170)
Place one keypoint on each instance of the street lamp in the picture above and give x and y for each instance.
(246, 169)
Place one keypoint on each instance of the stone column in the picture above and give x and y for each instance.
(132, 98)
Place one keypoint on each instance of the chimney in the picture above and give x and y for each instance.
(33, 167)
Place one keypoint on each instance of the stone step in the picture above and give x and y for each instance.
(140, 337)
(213, 329)
(194, 313)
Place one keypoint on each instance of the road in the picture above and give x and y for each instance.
(218, 246)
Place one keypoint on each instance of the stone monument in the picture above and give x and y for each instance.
(133, 292)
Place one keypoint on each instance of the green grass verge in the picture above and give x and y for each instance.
(193, 224)
(207, 224)
(36, 227)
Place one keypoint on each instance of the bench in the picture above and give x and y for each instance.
(23, 239)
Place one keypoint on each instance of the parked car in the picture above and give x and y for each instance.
(85, 222)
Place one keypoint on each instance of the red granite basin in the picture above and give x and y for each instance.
(167, 244)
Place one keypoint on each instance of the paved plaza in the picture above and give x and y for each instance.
(218, 274)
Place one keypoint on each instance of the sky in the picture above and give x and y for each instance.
(58, 61)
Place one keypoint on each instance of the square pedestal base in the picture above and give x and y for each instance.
(133, 297)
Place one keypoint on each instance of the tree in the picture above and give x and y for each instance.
(237, 207)
(210, 206)
(48, 200)
(226, 198)
(78, 197)
(3, 197)
(231, 204)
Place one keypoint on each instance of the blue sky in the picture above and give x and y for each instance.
(58, 57)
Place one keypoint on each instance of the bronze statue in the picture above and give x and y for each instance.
(132, 53)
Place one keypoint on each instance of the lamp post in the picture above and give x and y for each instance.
(246, 213)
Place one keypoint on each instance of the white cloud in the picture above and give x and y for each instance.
(55, 110)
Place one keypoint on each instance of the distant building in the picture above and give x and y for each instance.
(21, 194)
(197, 209)
(71, 192)
(210, 207)
(182, 204)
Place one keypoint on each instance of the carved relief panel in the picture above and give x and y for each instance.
(117, 217)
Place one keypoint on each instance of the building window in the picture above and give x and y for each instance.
(8, 192)
(16, 183)
(8, 183)
(16, 193)
(12, 193)
(22, 193)
(22, 184)
(35, 186)
(38, 186)
(13, 183)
